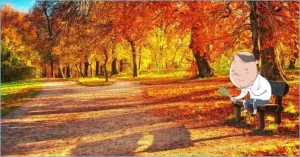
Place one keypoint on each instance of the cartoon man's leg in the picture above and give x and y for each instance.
(258, 102)
(246, 103)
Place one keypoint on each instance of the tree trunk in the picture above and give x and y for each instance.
(114, 70)
(52, 67)
(44, 72)
(64, 70)
(140, 59)
(78, 71)
(254, 28)
(292, 63)
(204, 70)
(97, 68)
(86, 69)
(133, 58)
(271, 67)
(121, 65)
(91, 72)
(105, 62)
(68, 72)
(80, 68)
(101, 70)
(60, 73)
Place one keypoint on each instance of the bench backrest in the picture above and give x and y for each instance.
(279, 88)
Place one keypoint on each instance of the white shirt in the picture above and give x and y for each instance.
(260, 89)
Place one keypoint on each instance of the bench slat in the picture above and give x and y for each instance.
(268, 107)
(265, 108)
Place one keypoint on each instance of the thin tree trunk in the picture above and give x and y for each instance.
(114, 70)
(68, 75)
(52, 67)
(61, 72)
(292, 63)
(44, 72)
(78, 71)
(86, 68)
(121, 65)
(101, 70)
(80, 67)
(97, 68)
(105, 62)
(133, 49)
(91, 73)
(140, 59)
(179, 66)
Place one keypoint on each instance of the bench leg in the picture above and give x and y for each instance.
(261, 120)
(277, 117)
(237, 114)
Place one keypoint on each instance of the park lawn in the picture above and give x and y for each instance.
(153, 78)
(291, 149)
(14, 94)
(200, 101)
(94, 81)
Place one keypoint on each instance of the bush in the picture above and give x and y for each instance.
(13, 68)
(16, 73)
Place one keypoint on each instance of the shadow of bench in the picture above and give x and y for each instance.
(279, 89)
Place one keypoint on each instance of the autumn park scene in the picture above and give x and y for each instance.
(149, 78)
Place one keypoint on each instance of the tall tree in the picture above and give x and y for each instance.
(133, 23)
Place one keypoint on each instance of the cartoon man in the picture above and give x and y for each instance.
(244, 75)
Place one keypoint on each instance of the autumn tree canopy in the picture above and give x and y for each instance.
(93, 38)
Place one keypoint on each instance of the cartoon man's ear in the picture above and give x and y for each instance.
(256, 61)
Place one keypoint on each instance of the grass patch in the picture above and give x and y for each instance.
(94, 81)
(290, 108)
(13, 94)
(285, 150)
(153, 78)
(288, 124)
(272, 128)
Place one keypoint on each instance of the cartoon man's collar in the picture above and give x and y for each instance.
(255, 84)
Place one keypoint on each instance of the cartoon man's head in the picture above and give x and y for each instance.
(243, 69)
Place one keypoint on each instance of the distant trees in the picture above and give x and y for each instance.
(18, 58)
(81, 38)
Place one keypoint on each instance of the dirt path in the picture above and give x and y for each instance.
(69, 119)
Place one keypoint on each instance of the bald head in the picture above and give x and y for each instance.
(245, 57)
(243, 69)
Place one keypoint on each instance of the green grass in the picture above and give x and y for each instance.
(290, 108)
(151, 78)
(14, 94)
(291, 149)
(94, 81)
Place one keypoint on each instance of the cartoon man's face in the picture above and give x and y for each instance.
(243, 70)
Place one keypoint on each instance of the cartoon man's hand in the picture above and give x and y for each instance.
(233, 99)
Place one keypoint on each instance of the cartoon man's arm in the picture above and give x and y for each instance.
(259, 91)
(242, 95)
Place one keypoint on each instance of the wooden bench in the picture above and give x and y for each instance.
(279, 89)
